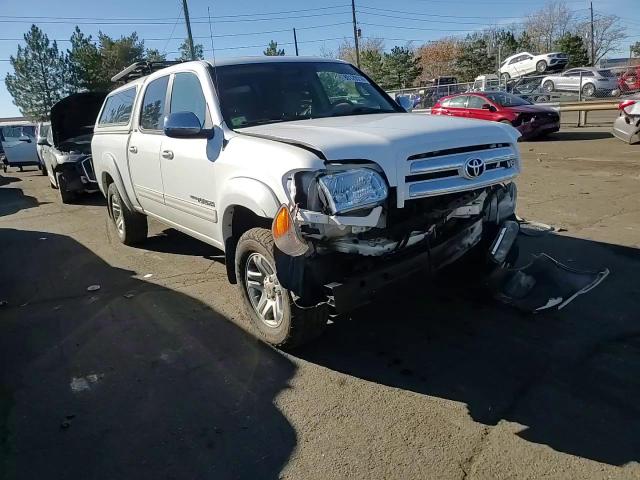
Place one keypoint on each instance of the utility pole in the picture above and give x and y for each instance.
(185, 8)
(593, 48)
(295, 41)
(355, 32)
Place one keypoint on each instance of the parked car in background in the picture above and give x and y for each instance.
(529, 119)
(588, 80)
(486, 83)
(525, 63)
(627, 126)
(19, 146)
(629, 80)
(42, 130)
(318, 205)
(67, 149)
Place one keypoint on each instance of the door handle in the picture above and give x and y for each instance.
(133, 149)
(167, 154)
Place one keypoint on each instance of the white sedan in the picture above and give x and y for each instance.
(525, 63)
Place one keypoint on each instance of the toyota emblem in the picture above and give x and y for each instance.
(474, 167)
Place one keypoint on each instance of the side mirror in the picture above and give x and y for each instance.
(405, 102)
(25, 139)
(185, 125)
(43, 142)
(486, 106)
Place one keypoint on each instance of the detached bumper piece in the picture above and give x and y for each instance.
(543, 284)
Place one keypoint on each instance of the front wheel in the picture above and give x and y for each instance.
(66, 196)
(131, 227)
(541, 66)
(589, 90)
(548, 86)
(268, 304)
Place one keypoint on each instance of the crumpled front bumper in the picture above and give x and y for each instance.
(627, 129)
(360, 289)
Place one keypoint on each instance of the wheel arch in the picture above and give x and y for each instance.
(111, 174)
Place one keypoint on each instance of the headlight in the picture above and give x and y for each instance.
(353, 189)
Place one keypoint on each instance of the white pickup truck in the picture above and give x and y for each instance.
(320, 189)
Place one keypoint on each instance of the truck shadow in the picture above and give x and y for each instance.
(570, 378)
(173, 241)
(129, 381)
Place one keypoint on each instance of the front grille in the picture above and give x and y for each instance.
(444, 171)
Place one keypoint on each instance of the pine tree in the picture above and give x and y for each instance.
(573, 45)
(40, 77)
(185, 53)
(474, 59)
(273, 50)
(402, 67)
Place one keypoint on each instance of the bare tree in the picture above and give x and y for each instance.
(347, 52)
(548, 24)
(608, 34)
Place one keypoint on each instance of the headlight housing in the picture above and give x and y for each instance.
(353, 190)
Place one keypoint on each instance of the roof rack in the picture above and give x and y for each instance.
(141, 69)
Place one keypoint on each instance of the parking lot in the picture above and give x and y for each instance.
(156, 375)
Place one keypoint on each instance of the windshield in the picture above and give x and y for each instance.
(506, 99)
(262, 93)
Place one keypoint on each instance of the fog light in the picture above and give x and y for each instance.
(286, 234)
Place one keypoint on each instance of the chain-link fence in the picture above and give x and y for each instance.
(572, 85)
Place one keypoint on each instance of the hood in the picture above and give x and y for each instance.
(386, 138)
(75, 115)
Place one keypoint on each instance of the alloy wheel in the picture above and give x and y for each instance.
(116, 212)
(264, 290)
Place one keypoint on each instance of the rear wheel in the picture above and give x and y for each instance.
(269, 305)
(505, 77)
(131, 227)
(541, 66)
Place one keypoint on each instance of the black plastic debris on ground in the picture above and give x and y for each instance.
(543, 284)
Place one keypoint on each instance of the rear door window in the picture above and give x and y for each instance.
(476, 102)
(187, 96)
(153, 104)
(117, 108)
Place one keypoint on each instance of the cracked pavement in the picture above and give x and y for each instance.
(432, 381)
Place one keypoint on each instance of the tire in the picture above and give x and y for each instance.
(505, 77)
(541, 66)
(588, 90)
(283, 324)
(548, 86)
(65, 196)
(131, 227)
(43, 169)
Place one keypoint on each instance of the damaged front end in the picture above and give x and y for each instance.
(346, 239)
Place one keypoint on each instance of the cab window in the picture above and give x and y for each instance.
(187, 96)
(153, 102)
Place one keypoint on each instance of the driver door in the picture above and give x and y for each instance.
(187, 164)
(19, 146)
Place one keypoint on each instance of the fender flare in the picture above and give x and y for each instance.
(248, 193)
(114, 172)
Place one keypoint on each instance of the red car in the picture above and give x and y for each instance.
(629, 81)
(530, 120)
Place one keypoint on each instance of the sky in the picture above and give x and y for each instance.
(244, 27)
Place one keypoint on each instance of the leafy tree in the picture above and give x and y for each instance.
(117, 54)
(273, 50)
(40, 75)
(185, 54)
(438, 58)
(402, 68)
(474, 59)
(84, 63)
(372, 63)
(154, 55)
(525, 43)
(573, 45)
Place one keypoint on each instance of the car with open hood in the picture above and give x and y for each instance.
(319, 188)
(66, 150)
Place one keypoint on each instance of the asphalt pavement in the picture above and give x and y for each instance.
(156, 374)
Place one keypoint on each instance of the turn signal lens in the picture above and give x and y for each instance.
(286, 234)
